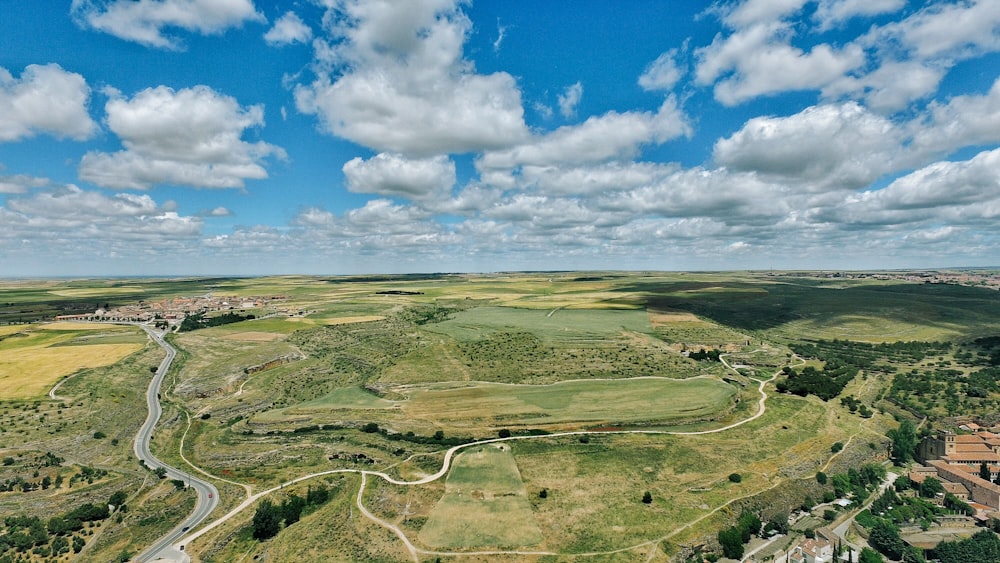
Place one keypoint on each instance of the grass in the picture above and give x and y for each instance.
(563, 324)
(573, 403)
(485, 504)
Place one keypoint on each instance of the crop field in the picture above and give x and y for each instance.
(33, 358)
(385, 373)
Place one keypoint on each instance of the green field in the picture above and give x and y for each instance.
(632, 401)
(485, 504)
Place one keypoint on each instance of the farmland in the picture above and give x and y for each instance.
(377, 376)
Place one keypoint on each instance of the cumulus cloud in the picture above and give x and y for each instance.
(287, 30)
(21, 183)
(953, 30)
(601, 138)
(392, 77)
(569, 99)
(661, 74)
(840, 146)
(95, 218)
(144, 21)
(831, 13)
(190, 137)
(892, 86)
(759, 60)
(395, 176)
(962, 121)
(46, 99)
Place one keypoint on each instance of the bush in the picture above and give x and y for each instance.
(735, 477)
(504, 433)
(836, 447)
(100, 435)
(647, 498)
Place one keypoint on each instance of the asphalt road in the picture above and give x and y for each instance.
(167, 548)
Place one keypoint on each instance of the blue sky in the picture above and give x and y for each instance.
(182, 137)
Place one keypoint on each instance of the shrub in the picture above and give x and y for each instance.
(735, 477)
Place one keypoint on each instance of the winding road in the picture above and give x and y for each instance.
(208, 497)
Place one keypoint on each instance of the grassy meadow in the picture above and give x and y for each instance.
(435, 360)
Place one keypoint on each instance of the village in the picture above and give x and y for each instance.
(168, 313)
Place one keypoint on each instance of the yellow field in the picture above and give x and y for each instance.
(34, 361)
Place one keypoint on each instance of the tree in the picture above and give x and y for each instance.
(266, 521)
(821, 477)
(731, 541)
(504, 433)
(647, 498)
(931, 487)
(836, 447)
(118, 499)
(160, 472)
(291, 509)
(984, 471)
(904, 442)
(869, 555)
(886, 539)
(735, 477)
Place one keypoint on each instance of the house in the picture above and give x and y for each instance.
(816, 550)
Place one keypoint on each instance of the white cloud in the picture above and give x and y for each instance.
(393, 78)
(831, 13)
(973, 182)
(46, 99)
(953, 30)
(758, 60)
(963, 121)
(752, 12)
(91, 218)
(21, 183)
(395, 176)
(219, 212)
(611, 136)
(892, 86)
(188, 137)
(287, 30)
(824, 147)
(661, 74)
(569, 99)
(144, 21)
(501, 33)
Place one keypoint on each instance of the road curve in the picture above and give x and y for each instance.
(208, 495)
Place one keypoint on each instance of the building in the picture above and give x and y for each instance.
(816, 550)
(963, 450)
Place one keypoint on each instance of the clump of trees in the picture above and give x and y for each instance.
(705, 355)
(21, 534)
(732, 538)
(198, 320)
(269, 518)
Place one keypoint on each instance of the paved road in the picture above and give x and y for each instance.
(166, 547)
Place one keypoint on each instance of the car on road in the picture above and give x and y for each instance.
(209, 495)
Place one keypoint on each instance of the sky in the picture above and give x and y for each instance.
(234, 137)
